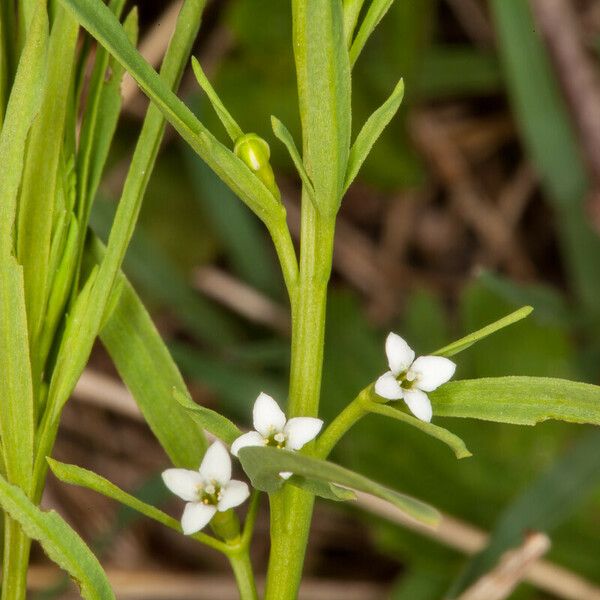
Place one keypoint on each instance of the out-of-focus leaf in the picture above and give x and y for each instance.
(323, 72)
(537, 101)
(59, 541)
(17, 414)
(156, 274)
(472, 338)
(236, 387)
(323, 489)
(457, 71)
(371, 131)
(88, 479)
(149, 372)
(518, 400)
(208, 419)
(420, 584)
(548, 501)
(23, 104)
(263, 466)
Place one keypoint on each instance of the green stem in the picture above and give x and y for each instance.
(291, 508)
(15, 561)
(355, 411)
(244, 574)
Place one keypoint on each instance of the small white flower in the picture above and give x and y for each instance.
(273, 429)
(408, 379)
(208, 490)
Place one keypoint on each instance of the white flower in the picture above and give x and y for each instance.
(408, 379)
(273, 429)
(208, 490)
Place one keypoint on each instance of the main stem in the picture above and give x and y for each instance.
(291, 508)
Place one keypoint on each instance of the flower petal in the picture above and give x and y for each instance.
(387, 387)
(267, 415)
(216, 464)
(233, 494)
(399, 354)
(252, 438)
(183, 483)
(419, 404)
(300, 431)
(196, 516)
(285, 474)
(432, 371)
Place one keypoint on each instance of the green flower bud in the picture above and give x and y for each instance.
(255, 153)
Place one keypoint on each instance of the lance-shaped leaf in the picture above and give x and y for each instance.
(284, 136)
(23, 105)
(263, 466)
(518, 400)
(59, 541)
(374, 15)
(352, 10)
(16, 414)
(447, 437)
(229, 123)
(323, 489)
(75, 475)
(103, 25)
(323, 72)
(145, 365)
(208, 419)
(371, 131)
(472, 338)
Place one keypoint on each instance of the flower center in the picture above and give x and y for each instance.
(276, 440)
(210, 493)
(407, 379)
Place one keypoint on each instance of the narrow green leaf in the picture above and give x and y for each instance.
(16, 414)
(323, 72)
(208, 419)
(374, 15)
(40, 176)
(352, 10)
(518, 400)
(283, 135)
(371, 131)
(59, 541)
(146, 367)
(79, 476)
(23, 104)
(322, 489)
(263, 466)
(393, 411)
(472, 338)
(233, 129)
(102, 24)
(553, 497)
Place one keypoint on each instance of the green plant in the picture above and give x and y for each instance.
(61, 288)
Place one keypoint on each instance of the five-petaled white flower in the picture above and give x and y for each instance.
(273, 429)
(208, 490)
(408, 379)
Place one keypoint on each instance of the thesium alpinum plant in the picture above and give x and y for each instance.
(61, 288)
